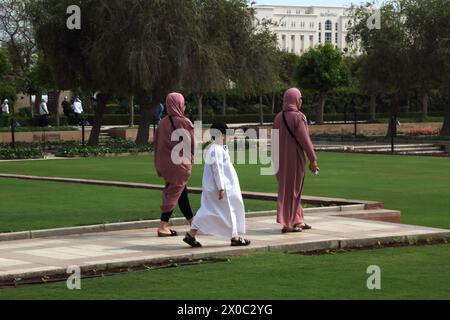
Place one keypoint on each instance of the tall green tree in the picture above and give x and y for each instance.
(409, 52)
(322, 68)
(7, 88)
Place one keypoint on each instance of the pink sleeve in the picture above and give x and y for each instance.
(305, 140)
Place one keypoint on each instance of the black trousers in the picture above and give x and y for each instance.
(43, 120)
(185, 207)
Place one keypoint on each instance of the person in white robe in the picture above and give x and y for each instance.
(5, 107)
(222, 212)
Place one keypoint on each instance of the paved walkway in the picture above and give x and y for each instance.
(101, 251)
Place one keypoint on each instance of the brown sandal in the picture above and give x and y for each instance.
(172, 233)
(296, 229)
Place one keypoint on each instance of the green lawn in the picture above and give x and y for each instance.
(406, 273)
(31, 205)
(418, 186)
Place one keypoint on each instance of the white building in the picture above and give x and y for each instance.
(299, 28)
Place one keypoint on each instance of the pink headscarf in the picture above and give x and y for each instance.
(175, 104)
(291, 99)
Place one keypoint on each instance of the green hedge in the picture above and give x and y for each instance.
(20, 153)
(113, 147)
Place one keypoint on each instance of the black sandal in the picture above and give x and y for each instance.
(172, 233)
(296, 229)
(305, 227)
(240, 242)
(190, 240)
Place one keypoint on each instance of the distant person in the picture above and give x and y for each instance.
(67, 107)
(78, 110)
(294, 143)
(176, 176)
(158, 114)
(5, 107)
(222, 212)
(43, 114)
(157, 117)
(4, 115)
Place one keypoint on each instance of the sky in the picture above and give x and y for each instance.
(309, 2)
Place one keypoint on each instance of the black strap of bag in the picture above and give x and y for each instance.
(173, 127)
(289, 130)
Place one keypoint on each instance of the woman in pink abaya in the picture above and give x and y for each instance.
(294, 143)
(175, 175)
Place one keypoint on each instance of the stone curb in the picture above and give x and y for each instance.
(229, 251)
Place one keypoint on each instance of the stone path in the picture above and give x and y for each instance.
(108, 250)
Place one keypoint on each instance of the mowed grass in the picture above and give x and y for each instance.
(31, 205)
(417, 186)
(406, 273)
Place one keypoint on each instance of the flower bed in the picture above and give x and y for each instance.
(423, 133)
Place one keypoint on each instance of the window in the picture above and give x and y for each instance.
(328, 25)
(293, 24)
(289, 12)
(283, 42)
(336, 38)
(311, 25)
(320, 25)
(328, 37)
(320, 37)
(337, 26)
(311, 41)
(298, 12)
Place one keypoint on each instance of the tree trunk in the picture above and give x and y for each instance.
(321, 107)
(200, 107)
(261, 110)
(446, 128)
(37, 103)
(131, 112)
(100, 109)
(425, 101)
(373, 107)
(224, 105)
(146, 107)
(273, 102)
(58, 95)
(31, 105)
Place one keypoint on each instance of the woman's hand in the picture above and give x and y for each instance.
(314, 167)
(221, 194)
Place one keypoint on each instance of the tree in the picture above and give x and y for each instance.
(322, 68)
(16, 35)
(409, 52)
(287, 69)
(7, 91)
(428, 27)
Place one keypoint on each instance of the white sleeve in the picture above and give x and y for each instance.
(217, 169)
